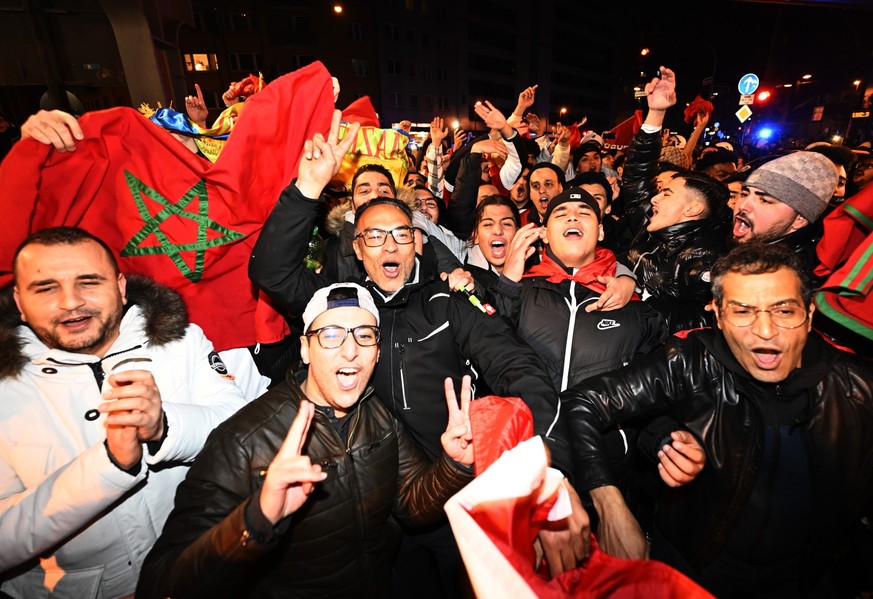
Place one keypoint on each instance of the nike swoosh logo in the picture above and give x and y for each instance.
(607, 323)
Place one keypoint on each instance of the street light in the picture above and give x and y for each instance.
(563, 110)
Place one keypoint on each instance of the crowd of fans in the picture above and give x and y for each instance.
(662, 312)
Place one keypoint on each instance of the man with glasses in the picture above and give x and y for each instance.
(429, 333)
(294, 495)
(785, 420)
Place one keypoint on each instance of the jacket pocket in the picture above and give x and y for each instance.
(42, 583)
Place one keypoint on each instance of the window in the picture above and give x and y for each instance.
(443, 104)
(360, 68)
(410, 36)
(212, 99)
(356, 31)
(411, 69)
(393, 67)
(442, 74)
(428, 102)
(299, 25)
(425, 40)
(441, 44)
(413, 101)
(392, 33)
(236, 21)
(201, 62)
(245, 61)
(395, 99)
(301, 60)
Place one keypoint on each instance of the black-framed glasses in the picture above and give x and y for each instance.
(377, 237)
(332, 336)
(784, 316)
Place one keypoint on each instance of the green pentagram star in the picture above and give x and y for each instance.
(152, 226)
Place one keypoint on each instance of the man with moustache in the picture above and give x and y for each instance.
(107, 394)
(785, 420)
(782, 201)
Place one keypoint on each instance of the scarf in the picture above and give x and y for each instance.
(550, 267)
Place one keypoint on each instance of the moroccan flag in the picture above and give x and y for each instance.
(167, 212)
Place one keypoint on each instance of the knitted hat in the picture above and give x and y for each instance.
(674, 155)
(803, 180)
(574, 194)
(338, 295)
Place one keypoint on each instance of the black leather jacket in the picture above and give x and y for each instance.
(692, 381)
(671, 265)
(338, 544)
(428, 333)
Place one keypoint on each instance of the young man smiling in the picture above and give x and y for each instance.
(294, 496)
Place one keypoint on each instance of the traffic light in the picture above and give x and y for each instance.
(763, 95)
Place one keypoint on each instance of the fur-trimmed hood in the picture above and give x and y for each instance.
(336, 217)
(163, 309)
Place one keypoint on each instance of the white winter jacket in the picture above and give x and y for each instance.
(72, 524)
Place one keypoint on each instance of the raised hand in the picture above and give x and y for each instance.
(492, 117)
(490, 146)
(53, 127)
(661, 92)
(526, 98)
(196, 107)
(229, 97)
(457, 441)
(438, 130)
(459, 138)
(291, 477)
(681, 460)
(520, 249)
(322, 157)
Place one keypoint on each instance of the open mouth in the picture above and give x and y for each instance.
(77, 323)
(573, 233)
(742, 227)
(498, 249)
(347, 378)
(766, 358)
(391, 269)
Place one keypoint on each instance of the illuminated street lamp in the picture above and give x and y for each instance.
(563, 110)
(337, 8)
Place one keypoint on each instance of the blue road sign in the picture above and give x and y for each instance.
(748, 83)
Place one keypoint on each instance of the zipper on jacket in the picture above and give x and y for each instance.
(568, 344)
(357, 420)
(401, 348)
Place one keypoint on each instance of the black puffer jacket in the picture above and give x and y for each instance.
(428, 333)
(691, 380)
(551, 317)
(671, 265)
(338, 544)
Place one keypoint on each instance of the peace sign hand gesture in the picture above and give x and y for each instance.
(322, 158)
(457, 441)
(291, 477)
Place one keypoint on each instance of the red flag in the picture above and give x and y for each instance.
(169, 213)
(620, 136)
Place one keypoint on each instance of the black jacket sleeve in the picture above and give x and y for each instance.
(638, 179)
(646, 387)
(459, 216)
(276, 264)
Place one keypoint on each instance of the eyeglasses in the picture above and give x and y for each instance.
(332, 337)
(376, 237)
(784, 316)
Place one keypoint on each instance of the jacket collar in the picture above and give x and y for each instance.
(161, 310)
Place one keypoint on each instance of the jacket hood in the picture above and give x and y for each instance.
(336, 217)
(163, 309)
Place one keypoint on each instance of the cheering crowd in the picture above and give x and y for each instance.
(688, 327)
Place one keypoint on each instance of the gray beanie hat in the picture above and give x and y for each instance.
(803, 180)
